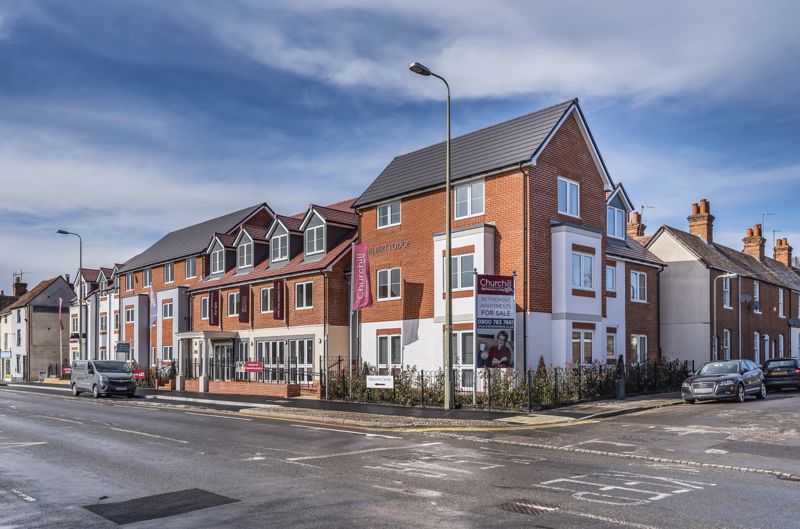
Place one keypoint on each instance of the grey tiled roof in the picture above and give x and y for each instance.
(632, 250)
(729, 260)
(187, 241)
(498, 146)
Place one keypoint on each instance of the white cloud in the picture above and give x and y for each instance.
(498, 49)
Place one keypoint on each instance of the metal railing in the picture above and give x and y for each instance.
(234, 371)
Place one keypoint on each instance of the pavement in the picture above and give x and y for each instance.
(95, 464)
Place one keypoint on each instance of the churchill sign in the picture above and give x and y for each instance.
(495, 320)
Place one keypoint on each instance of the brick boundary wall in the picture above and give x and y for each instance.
(231, 387)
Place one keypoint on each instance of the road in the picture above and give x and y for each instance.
(60, 455)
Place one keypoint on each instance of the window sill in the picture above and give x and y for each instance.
(387, 226)
(643, 302)
(578, 216)
(471, 216)
(389, 299)
(303, 308)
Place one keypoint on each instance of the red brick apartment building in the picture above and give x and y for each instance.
(531, 196)
(757, 312)
(275, 292)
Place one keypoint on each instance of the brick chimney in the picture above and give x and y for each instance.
(18, 288)
(635, 227)
(754, 242)
(701, 221)
(783, 252)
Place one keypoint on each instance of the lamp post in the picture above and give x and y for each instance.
(715, 341)
(449, 400)
(80, 290)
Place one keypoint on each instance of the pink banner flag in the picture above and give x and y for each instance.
(362, 290)
(60, 319)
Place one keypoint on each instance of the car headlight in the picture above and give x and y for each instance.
(685, 385)
(726, 382)
(103, 379)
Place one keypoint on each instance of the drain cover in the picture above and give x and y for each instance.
(158, 506)
(526, 507)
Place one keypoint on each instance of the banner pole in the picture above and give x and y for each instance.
(475, 337)
(350, 338)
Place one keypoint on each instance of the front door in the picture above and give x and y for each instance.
(222, 362)
(275, 366)
(301, 358)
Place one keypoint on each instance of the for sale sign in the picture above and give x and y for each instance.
(495, 320)
(138, 374)
(254, 367)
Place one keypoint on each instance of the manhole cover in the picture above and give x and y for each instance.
(158, 506)
(527, 507)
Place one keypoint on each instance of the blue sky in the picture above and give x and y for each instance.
(125, 120)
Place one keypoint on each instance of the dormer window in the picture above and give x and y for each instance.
(615, 222)
(218, 261)
(280, 247)
(244, 253)
(116, 282)
(315, 240)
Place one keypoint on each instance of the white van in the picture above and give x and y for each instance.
(102, 377)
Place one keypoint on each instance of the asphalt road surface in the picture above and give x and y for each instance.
(81, 463)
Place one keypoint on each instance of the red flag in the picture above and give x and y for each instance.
(362, 290)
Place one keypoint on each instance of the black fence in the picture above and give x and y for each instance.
(544, 387)
(54, 370)
(235, 371)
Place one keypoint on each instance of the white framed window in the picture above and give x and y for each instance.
(73, 325)
(390, 352)
(315, 240)
(611, 278)
(304, 295)
(757, 347)
(388, 284)
(780, 346)
(462, 272)
(639, 347)
(280, 247)
(462, 348)
(103, 323)
(611, 345)
(582, 347)
(218, 261)
(233, 303)
(190, 268)
(116, 282)
(169, 272)
(166, 352)
(615, 222)
(569, 193)
(389, 214)
(267, 299)
(469, 200)
(726, 292)
(166, 310)
(204, 308)
(244, 254)
(130, 316)
(639, 287)
(147, 277)
(757, 297)
(582, 270)
(129, 281)
(726, 344)
(780, 304)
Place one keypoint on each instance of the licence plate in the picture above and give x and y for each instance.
(704, 390)
(779, 373)
(121, 388)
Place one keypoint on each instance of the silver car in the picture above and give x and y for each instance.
(102, 377)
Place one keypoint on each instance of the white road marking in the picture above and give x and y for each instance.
(151, 435)
(23, 495)
(716, 451)
(47, 387)
(684, 430)
(365, 434)
(599, 518)
(598, 441)
(22, 444)
(357, 452)
(219, 416)
(254, 458)
(58, 419)
(217, 402)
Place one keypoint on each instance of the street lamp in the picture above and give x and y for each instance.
(715, 341)
(449, 400)
(80, 290)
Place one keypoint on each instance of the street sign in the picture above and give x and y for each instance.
(254, 367)
(42, 376)
(124, 347)
(380, 382)
(66, 371)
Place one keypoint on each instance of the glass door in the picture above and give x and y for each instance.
(275, 361)
(241, 358)
(261, 356)
(221, 366)
(301, 358)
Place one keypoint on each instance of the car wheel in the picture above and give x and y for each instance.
(95, 392)
(75, 391)
(740, 393)
(688, 401)
(762, 393)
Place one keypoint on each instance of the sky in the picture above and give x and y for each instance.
(124, 120)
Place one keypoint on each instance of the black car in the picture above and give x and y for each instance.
(782, 373)
(732, 379)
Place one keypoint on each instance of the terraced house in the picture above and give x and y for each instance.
(756, 311)
(532, 197)
(276, 293)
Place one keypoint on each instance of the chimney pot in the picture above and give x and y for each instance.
(701, 222)
(704, 206)
(17, 279)
(749, 232)
(695, 209)
(783, 252)
(757, 230)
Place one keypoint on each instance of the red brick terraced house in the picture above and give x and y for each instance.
(756, 314)
(167, 269)
(276, 293)
(531, 196)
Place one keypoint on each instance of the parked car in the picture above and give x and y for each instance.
(782, 373)
(102, 377)
(732, 379)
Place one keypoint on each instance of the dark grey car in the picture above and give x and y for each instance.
(102, 377)
(731, 379)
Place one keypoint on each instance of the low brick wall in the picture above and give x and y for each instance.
(192, 384)
(238, 387)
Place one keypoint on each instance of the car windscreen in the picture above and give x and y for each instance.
(111, 367)
(780, 363)
(719, 368)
